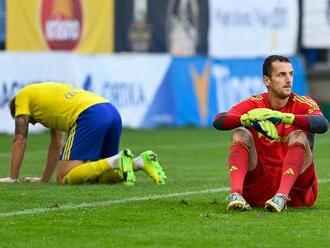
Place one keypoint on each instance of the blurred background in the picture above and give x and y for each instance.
(163, 62)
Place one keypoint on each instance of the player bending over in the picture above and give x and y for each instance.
(271, 156)
(91, 150)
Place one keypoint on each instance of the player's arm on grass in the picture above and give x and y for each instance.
(54, 151)
(19, 144)
(18, 148)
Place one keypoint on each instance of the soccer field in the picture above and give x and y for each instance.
(189, 211)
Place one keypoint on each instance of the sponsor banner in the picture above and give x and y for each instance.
(76, 25)
(316, 24)
(20, 69)
(148, 90)
(193, 91)
(252, 28)
(203, 87)
(236, 80)
(129, 81)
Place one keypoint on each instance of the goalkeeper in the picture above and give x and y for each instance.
(271, 156)
(93, 127)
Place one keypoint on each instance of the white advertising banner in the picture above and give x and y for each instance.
(129, 81)
(253, 28)
(19, 69)
(316, 24)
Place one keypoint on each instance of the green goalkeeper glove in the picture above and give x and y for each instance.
(279, 117)
(267, 128)
(276, 117)
(245, 120)
(260, 114)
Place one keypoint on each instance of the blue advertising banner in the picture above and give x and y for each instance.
(203, 87)
(193, 91)
(236, 80)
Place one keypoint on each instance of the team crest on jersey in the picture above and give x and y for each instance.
(61, 22)
(233, 168)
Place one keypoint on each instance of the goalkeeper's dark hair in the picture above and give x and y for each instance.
(267, 66)
(12, 107)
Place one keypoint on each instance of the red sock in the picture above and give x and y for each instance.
(292, 165)
(238, 166)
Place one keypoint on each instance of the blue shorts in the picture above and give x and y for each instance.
(95, 135)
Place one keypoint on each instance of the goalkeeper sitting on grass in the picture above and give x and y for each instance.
(271, 156)
(93, 127)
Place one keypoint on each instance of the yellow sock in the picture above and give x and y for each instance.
(87, 172)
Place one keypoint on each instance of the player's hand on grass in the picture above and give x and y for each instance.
(32, 179)
(8, 180)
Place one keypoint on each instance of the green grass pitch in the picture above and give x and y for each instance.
(189, 211)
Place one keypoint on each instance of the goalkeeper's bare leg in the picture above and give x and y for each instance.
(242, 158)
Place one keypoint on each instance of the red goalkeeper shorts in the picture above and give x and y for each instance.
(262, 183)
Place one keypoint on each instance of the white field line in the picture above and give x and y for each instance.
(36, 211)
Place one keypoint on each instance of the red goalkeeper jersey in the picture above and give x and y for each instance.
(272, 152)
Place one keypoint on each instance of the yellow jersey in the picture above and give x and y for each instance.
(54, 105)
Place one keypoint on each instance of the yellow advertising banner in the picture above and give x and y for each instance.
(85, 26)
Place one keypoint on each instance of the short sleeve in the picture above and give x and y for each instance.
(22, 103)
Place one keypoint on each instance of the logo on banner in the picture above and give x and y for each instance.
(232, 88)
(201, 87)
(61, 23)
